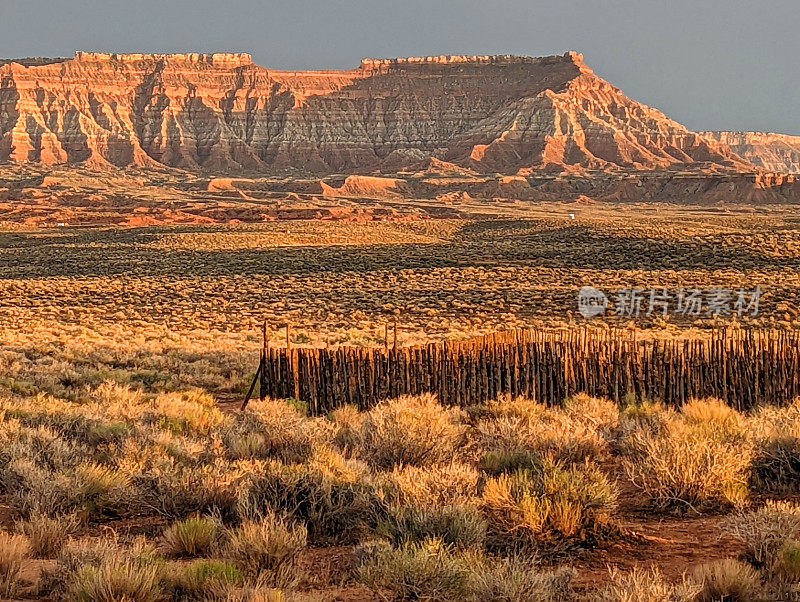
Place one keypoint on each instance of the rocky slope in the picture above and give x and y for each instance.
(503, 114)
(773, 152)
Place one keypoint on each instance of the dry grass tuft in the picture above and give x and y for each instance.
(208, 580)
(641, 585)
(191, 537)
(518, 580)
(14, 549)
(266, 548)
(113, 582)
(728, 580)
(335, 507)
(48, 535)
(426, 570)
(552, 507)
(765, 531)
(776, 465)
(436, 484)
(189, 412)
(691, 463)
(462, 526)
(409, 430)
(274, 429)
(516, 433)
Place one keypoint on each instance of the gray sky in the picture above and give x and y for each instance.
(710, 64)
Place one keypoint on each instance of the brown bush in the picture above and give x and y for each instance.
(409, 430)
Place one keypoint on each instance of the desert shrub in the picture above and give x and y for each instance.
(517, 580)
(548, 507)
(776, 464)
(48, 535)
(432, 570)
(102, 570)
(498, 461)
(191, 537)
(644, 585)
(75, 554)
(191, 412)
(270, 546)
(597, 412)
(639, 416)
(205, 580)
(686, 466)
(14, 549)
(169, 488)
(776, 461)
(115, 581)
(100, 487)
(107, 432)
(111, 393)
(273, 429)
(347, 422)
(38, 468)
(61, 483)
(714, 414)
(435, 484)
(728, 580)
(409, 430)
(514, 432)
(765, 531)
(506, 406)
(462, 526)
(427, 570)
(787, 562)
(336, 507)
(326, 460)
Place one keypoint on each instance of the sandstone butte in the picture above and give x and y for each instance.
(490, 114)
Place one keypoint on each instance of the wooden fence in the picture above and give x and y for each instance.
(741, 367)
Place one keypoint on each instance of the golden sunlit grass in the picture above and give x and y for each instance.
(247, 492)
(117, 347)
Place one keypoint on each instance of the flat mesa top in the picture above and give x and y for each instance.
(241, 58)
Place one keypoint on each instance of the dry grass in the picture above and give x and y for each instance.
(409, 430)
(48, 535)
(519, 433)
(462, 525)
(436, 484)
(14, 549)
(420, 571)
(765, 531)
(728, 580)
(111, 582)
(776, 465)
(206, 580)
(191, 537)
(644, 585)
(432, 570)
(455, 523)
(273, 429)
(267, 547)
(550, 507)
(694, 461)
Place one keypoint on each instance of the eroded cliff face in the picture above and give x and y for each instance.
(773, 152)
(503, 114)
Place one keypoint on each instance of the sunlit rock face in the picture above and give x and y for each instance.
(506, 114)
(772, 152)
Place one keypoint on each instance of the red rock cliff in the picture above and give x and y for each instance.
(773, 152)
(222, 111)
